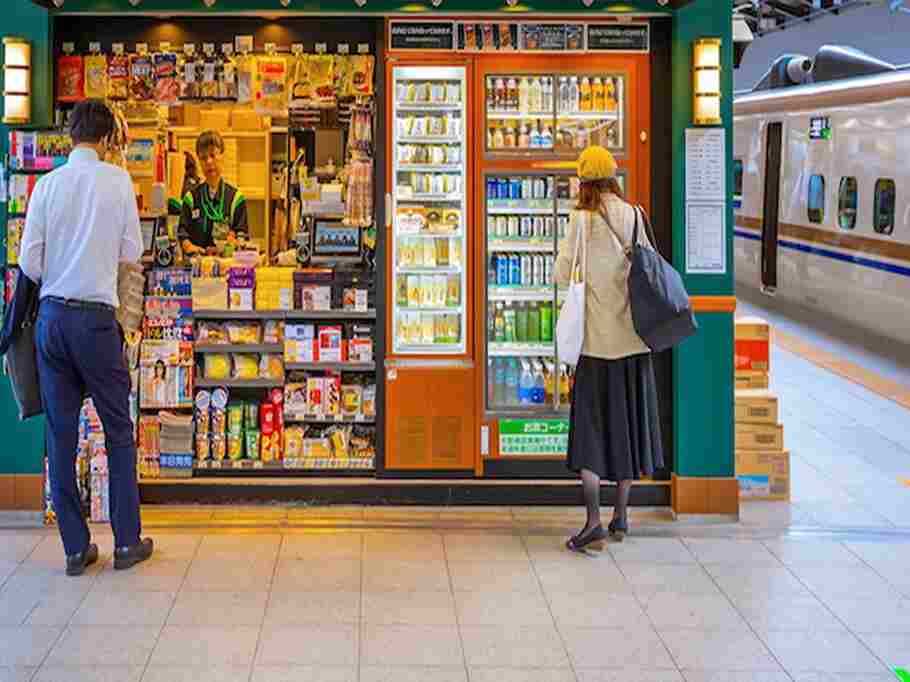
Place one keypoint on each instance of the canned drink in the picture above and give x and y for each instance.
(515, 188)
(538, 271)
(502, 191)
(548, 270)
(527, 188)
(492, 189)
(492, 226)
(502, 226)
(527, 270)
(563, 226)
(492, 270)
(502, 270)
(514, 269)
(540, 188)
(526, 227)
(514, 226)
(549, 226)
(538, 226)
(550, 183)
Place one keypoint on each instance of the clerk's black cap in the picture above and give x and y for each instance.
(91, 122)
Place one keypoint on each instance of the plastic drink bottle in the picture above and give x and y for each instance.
(526, 384)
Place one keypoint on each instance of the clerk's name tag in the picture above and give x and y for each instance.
(197, 214)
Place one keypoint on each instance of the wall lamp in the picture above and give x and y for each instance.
(17, 80)
(706, 73)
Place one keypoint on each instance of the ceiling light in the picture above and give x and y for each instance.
(58, 3)
(436, 3)
(135, 3)
(360, 3)
(285, 3)
(209, 3)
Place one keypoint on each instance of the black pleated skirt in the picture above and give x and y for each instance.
(615, 423)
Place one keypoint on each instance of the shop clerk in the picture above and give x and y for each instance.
(213, 210)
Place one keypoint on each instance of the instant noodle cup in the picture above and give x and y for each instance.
(219, 448)
(235, 446)
(235, 418)
(252, 444)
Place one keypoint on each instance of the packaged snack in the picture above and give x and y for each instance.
(118, 76)
(212, 333)
(246, 66)
(210, 77)
(574, 37)
(330, 345)
(369, 401)
(251, 416)
(362, 443)
(219, 407)
(203, 412)
(167, 89)
(70, 79)
(219, 448)
(505, 37)
(142, 78)
(331, 395)
(271, 366)
(267, 419)
(270, 447)
(362, 74)
(235, 418)
(271, 90)
(227, 74)
(235, 446)
(273, 332)
(488, 42)
(339, 438)
(243, 332)
(96, 76)
(293, 443)
(470, 37)
(252, 444)
(295, 401)
(246, 366)
(314, 387)
(217, 366)
(203, 451)
(351, 399)
(322, 76)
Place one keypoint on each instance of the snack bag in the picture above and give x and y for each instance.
(203, 449)
(203, 412)
(235, 446)
(118, 77)
(245, 366)
(227, 76)
(219, 414)
(219, 448)
(142, 78)
(167, 89)
(299, 76)
(362, 74)
(217, 366)
(209, 87)
(368, 401)
(322, 76)
(293, 443)
(271, 90)
(96, 76)
(344, 72)
(243, 332)
(273, 332)
(271, 366)
(252, 444)
(70, 79)
(246, 66)
(235, 418)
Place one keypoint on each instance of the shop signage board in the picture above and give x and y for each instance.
(819, 128)
(706, 212)
(545, 437)
(422, 35)
(619, 38)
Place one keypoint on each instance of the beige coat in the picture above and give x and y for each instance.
(609, 332)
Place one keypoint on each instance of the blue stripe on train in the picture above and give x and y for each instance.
(833, 255)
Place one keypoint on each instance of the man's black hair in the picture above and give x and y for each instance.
(92, 121)
(207, 140)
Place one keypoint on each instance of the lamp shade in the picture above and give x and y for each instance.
(17, 80)
(706, 81)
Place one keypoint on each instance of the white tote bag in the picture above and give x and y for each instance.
(570, 329)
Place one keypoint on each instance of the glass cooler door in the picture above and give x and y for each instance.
(429, 210)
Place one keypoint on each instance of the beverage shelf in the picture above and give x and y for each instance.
(499, 350)
(428, 139)
(520, 246)
(495, 210)
(495, 115)
(605, 116)
(429, 235)
(428, 270)
(508, 293)
(430, 167)
(442, 198)
(429, 106)
(238, 348)
(429, 309)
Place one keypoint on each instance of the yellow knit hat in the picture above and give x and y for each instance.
(596, 163)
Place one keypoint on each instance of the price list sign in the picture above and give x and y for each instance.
(546, 437)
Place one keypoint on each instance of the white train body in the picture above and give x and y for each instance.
(855, 134)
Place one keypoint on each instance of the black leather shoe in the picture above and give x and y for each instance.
(594, 539)
(77, 563)
(127, 557)
(618, 530)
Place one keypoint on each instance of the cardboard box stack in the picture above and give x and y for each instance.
(762, 463)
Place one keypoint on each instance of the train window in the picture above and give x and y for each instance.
(847, 202)
(817, 199)
(885, 195)
(737, 183)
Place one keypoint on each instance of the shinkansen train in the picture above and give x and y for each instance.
(822, 188)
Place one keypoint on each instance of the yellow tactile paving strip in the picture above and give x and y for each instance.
(844, 368)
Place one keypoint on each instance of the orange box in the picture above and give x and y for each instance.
(752, 344)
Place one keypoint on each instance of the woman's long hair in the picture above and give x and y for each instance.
(592, 193)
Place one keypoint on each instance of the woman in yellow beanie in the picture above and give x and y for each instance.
(615, 425)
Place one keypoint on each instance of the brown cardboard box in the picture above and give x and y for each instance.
(751, 380)
(751, 329)
(759, 437)
(244, 119)
(756, 406)
(763, 474)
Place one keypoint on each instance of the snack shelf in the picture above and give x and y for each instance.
(330, 366)
(238, 348)
(330, 420)
(430, 168)
(520, 246)
(330, 315)
(428, 106)
(506, 293)
(322, 464)
(239, 383)
(521, 350)
(239, 314)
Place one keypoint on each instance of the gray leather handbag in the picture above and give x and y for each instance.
(661, 309)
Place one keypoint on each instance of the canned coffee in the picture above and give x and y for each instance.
(514, 229)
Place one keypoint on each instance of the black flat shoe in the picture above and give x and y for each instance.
(77, 563)
(127, 557)
(594, 539)
(618, 530)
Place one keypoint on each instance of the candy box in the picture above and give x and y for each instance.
(330, 344)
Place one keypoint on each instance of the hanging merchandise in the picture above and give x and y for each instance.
(119, 140)
(299, 78)
(362, 74)
(344, 77)
(227, 74)
(271, 86)
(246, 67)
(190, 77)
(142, 78)
(358, 208)
(96, 76)
(167, 89)
(118, 77)
(70, 79)
(361, 132)
(322, 79)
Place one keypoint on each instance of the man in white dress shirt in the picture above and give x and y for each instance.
(81, 222)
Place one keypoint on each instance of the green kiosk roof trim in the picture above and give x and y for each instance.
(703, 366)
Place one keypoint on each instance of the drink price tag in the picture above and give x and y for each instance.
(189, 49)
(271, 48)
(227, 49)
(94, 47)
(69, 48)
(118, 48)
(257, 464)
(208, 49)
(244, 44)
(297, 49)
(363, 48)
(164, 46)
(142, 49)
(321, 48)
(189, 72)
(344, 48)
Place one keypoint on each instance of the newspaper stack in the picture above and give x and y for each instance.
(176, 442)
